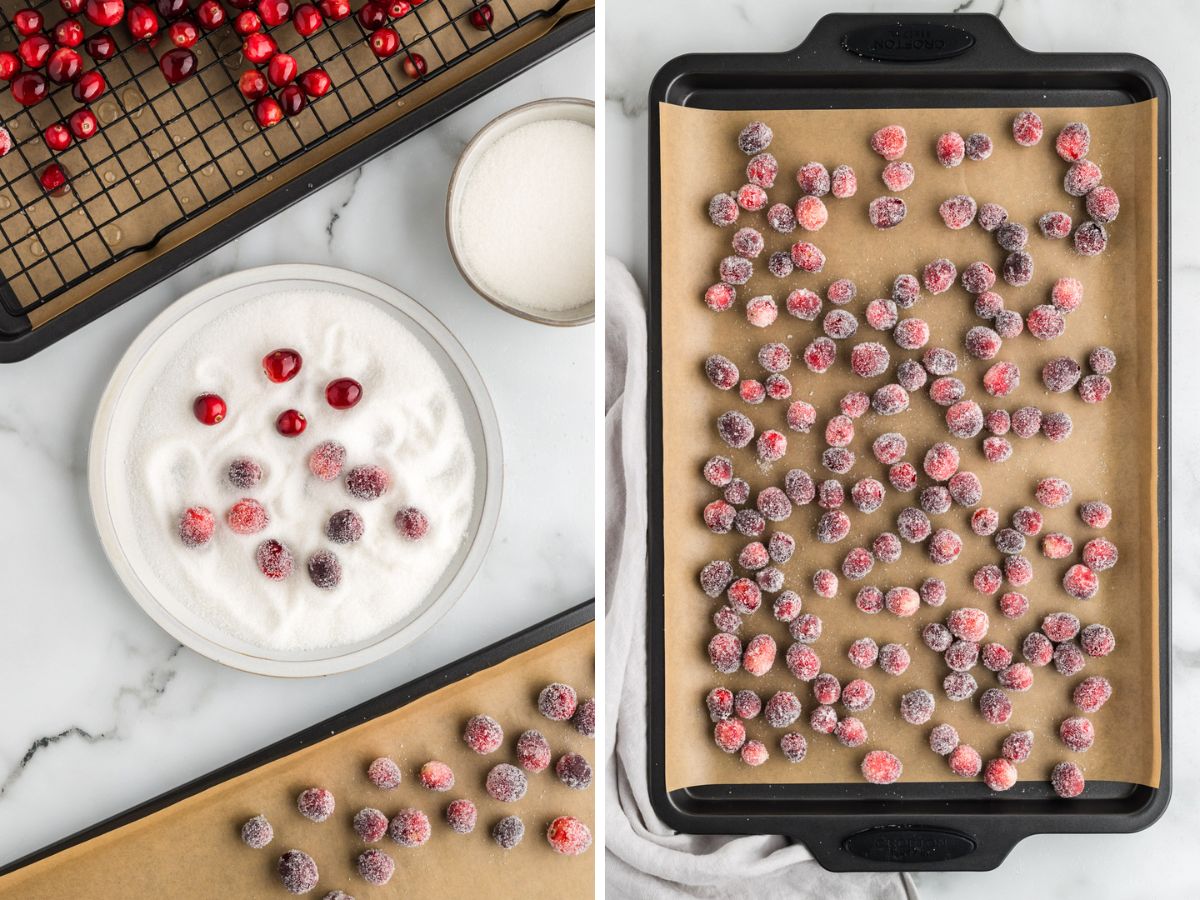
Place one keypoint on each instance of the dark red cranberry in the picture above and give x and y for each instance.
(336, 9)
(481, 16)
(268, 112)
(291, 423)
(241, 4)
(183, 33)
(253, 84)
(105, 13)
(177, 64)
(274, 560)
(65, 65)
(142, 22)
(28, 21)
(282, 69)
(292, 99)
(258, 48)
(54, 180)
(29, 88)
(171, 9)
(307, 20)
(101, 46)
(83, 124)
(90, 87)
(316, 83)
(10, 65)
(412, 523)
(371, 16)
(211, 15)
(324, 569)
(384, 42)
(68, 33)
(35, 50)
(274, 12)
(343, 393)
(71, 7)
(414, 65)
(57, 136)
(209, 409)
(282, 365)
(247, 23)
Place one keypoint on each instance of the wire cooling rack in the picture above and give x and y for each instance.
(167, 154)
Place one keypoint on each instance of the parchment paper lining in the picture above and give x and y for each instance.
(1110, 456)
(192, 849)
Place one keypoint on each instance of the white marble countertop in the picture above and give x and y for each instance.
(642, 36)
(100, 708)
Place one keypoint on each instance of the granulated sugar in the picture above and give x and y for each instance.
(526, 221)
(408, 422)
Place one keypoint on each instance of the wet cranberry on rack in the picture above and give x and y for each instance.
(247, 23)
(35, 50)
(142, 22)
(104, 13)
(398, 9)
(101, 47)
(68, 33)
(336, 9)
(384, 42)
(253, 84)
(65, 65)
(274, 12)
(28, 21)
(481, 17)
(10, 65)
(316, 83)
(211, 15)
(415, 65)
(171, 9)
(282, 69)
(177, 64)
(307, 20)
(57, 136)
(258, 48)
(90, 87)
(183, 34)
(343, 393)
(268, 112)
(371, 16)
(292, 99)
(209, 409)
(83, 124)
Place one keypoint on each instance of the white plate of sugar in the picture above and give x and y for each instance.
(520, 212)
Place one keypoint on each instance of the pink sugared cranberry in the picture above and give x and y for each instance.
(196, 526)
(274, 560)
(881, 767)
(412, 523)
(315, 804)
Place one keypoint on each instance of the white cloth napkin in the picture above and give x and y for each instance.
(644, 858)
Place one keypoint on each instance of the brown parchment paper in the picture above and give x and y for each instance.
(1110, 455)
(192, 849)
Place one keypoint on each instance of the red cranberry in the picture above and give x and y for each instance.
(336, 9)
(196, 526)
(372, 16)
(274, 12)
(10, 65)
(71, 7)
(209, 409)
(384, 42)
(183, 34)
(54, 180)
(343, 393)
(83, 124)
(291, 423)
(104, 13)
(282, 69)
(258, 48)
(274, 560)
(414, 65)
(211, 15)
(247, 23)
(68, 33)
(292, 99)
(307, 20)
(142, 22)
(253, 84)
(28, 21)
(247, 516)
(171, 9)
(398, 9)
(101, 47)
(90, 87)
(268, 112)
(64, 65)
(282, 365)
(412, 523)
(316, 83)
(177, 64)
(57, 136)
(481, 17)
(35, 50)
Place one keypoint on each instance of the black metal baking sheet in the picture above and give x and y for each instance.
(489, 656)
(868, 62)
(18, 340)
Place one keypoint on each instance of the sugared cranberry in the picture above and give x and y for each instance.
(316, 83)
(368, 482)
(307, 20)
(506, 783)
(298, 872)
(315, 804)
(258, 48)
(461, 816)
(292, 99)
(1067, 780)
(83, 124)
(324, 570)
(101, 47)
(412, 523)
(247, 23)
(274, 560)
(370, 825)
(257, 833)
(890, 142)
(247, 516)
(409, 828)
(282, 69)
(142, 22)
(268, 112)
(253, 84)
(90, 87)
(1027, 128)
(291, 423)
(57, 136)
(211, 15)
(104, 13)
(244, 472)
(196, 526)
(415, 65)
(209, 409)
(183, 34)
(481, 17)
(345, 527)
